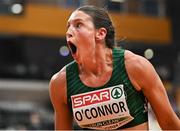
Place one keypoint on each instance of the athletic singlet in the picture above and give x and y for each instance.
(115, 105)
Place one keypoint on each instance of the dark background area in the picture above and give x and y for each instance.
(27, 57)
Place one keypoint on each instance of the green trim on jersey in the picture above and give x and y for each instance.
(135, 99)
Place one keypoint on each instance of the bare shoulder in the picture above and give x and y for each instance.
(144, 77)
(59, 77)
(58, 95)
(139, 69)
(135, 61)
(57, 86)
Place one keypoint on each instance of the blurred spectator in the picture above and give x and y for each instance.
(35, 121)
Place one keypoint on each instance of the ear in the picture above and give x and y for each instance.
(101, 34)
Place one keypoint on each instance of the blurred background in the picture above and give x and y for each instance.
(33, 48)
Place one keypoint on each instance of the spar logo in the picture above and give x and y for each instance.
(93, 97)
(98, 96)
(116, 92)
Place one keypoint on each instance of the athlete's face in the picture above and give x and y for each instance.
(80, 35)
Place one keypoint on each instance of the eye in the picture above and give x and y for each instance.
(78, 25)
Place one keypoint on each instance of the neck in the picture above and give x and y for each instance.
(98, 63)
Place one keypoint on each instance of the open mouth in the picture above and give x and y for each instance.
(72, 47)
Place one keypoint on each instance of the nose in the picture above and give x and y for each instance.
(68, 34)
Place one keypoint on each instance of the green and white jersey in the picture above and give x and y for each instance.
(115, 105)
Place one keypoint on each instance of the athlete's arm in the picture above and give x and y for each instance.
(144, 77)
(58, 96)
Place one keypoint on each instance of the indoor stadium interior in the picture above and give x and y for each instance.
(33, 48)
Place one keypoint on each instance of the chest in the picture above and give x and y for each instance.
(96, 81)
